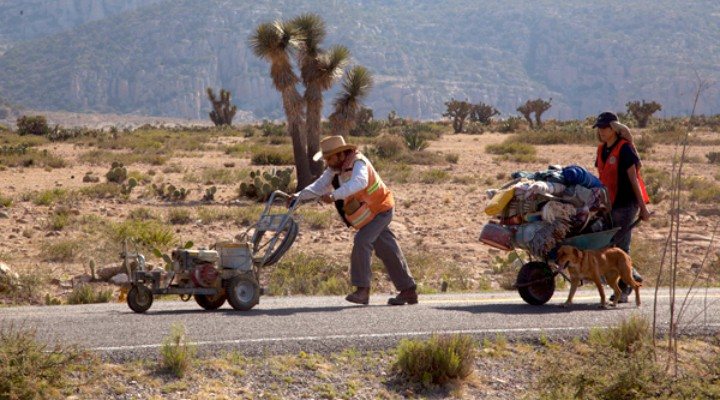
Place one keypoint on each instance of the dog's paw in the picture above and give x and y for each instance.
(603, 306)
(564, 305)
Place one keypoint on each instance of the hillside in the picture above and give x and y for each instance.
(158, 59)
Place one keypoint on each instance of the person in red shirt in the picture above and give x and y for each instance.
(619, 166)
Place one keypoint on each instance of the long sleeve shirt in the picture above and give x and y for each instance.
(323, 185)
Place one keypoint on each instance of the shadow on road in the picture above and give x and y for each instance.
(526, 309)
(252, 313)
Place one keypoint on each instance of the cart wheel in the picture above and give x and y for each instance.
(243, 292)
(209, 302)
(282, 245)
(139, 298)
(543, 286)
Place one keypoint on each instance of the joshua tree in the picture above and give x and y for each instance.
(275, 42)
(526, 111)
(222, 113)
(458, 111)
(537, 106)
(355, 86)
(319, 70)
(481, 113)
(642, 111)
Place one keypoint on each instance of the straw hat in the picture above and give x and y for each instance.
(331, 145)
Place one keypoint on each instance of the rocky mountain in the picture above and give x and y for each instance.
(157, 57)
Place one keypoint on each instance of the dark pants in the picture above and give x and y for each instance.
(624, 217)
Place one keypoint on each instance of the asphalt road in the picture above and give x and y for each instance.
(292, 324)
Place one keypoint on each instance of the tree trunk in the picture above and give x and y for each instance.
(528, 119)
(313, 125)
(294, 105)
(538, 122)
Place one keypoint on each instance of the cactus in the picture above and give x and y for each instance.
(126, 188)
(210, 194)
(117, 173)
(261, 184)
(170, 192)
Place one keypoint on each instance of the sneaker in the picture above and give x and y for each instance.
(407, 296)
(624, 294)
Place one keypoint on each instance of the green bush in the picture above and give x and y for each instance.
(142, 214)
(433, 176)
(32, 125)
(510, 125)
(87, 294)
(272, 156)
(105, 190)
(176, 353)
(513, 150)
(452, 158)
(150, 233)
(6, 201)
(630, 336)
(29, 369)
(414, 140)
(31, 158)
(436, 361)
(179, 216)
(562, 133)
(305, 274)
(390, 146)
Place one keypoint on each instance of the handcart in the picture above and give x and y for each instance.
(228, 271)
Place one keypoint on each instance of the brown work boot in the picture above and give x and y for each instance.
(360, 296)
(407, 296)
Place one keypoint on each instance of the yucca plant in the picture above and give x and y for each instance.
(355, 87)
(276, 42)
(319, 70)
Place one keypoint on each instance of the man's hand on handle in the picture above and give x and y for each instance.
(327, 199)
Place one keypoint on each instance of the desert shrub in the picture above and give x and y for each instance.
(513, 150)
(105, 190)
(87, 294)
(6, 201)
(317, 219)
(142, 214)
(656, 184)
(414, 140)
(30, 369)
(150, 233)
(390, 146)
(140, 177)
(272, 129)
(436, 361)
(272, 156)
(561, 133)
(239, 215)
(61, 251)
(713, 157)
(217, 176)
(644, 143)
(433, 176)
(393, 171)
(306, 274)
(23, 289)
(59, 219)
(452, 158)
(177, 354)
(32, 125)
(510, 125)
(14, 140)
(105, 157)
(668, 132)
(616, 363)
(179, 216)
(30, 158)
(707, 193)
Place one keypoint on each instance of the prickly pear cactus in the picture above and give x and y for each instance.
(261, 184)
(117, 173)
(170, 192)
(126, 188)
(210, 194)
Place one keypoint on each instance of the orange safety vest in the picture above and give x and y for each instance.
(376, 198)
(609, 172)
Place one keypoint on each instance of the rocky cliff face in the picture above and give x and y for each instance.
(159, 58)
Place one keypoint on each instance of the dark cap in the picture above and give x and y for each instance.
(604, 119)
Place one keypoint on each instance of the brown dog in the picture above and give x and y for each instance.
(612, 263)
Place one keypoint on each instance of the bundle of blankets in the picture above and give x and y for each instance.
(536, 211)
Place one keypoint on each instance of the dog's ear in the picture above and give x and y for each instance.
(577, 253)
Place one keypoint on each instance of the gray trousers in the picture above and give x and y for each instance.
(624, 217)
(377, 236)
